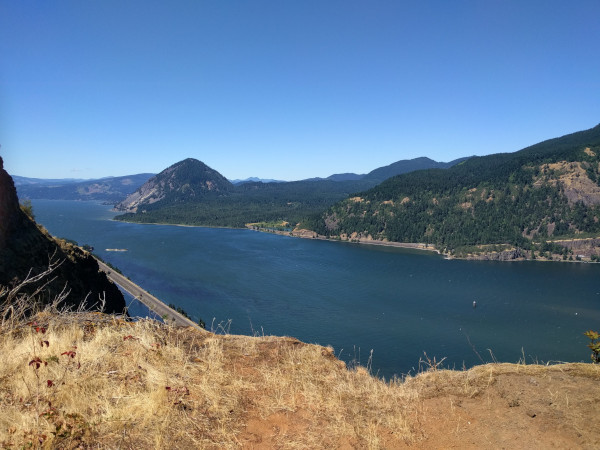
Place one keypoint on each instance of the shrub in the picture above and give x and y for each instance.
(594, 345)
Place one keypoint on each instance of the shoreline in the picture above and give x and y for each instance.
(314, 236)
(179, 225)
(484, 256)
(306, 234)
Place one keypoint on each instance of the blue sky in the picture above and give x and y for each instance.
(288, 89)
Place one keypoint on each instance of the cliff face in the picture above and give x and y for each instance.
(25, 247)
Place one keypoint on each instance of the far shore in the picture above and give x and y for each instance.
(306, 234)
(180, 225)
(311, 235)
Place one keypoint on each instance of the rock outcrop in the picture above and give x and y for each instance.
(26, 249)
(505, 255)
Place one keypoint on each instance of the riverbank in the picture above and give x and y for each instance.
(307, 234)
(585, 250)
(577, 250)
(175, 224)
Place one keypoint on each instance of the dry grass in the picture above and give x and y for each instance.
(81, 379)
(145, 385)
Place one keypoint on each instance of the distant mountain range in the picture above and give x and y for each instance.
(256, 180)
(189, 192)
(524, 199)
(116, 189)
(20, 181)
(399, 167)
(110, 189)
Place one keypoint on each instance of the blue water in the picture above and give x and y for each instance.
(398, 303)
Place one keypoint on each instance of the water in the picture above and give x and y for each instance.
(399, 303)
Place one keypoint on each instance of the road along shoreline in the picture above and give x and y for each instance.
(143, 296)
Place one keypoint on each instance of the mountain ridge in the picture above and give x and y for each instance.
(236, 206)
(108, 189)
(116, 189)
(546, 190)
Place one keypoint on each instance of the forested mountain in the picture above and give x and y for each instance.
(407, 166)
(181, 195)
(187, 181)
(110, 189)
(174, 197)
(550, 189)
(399, 167)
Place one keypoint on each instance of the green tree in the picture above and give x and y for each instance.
(27, 208)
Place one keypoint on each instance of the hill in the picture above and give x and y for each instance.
(27, 251)
(256, 180)
(547, 191)
(102, 382)
(237, 205)
(407, 166)
(110, 189)
(186, 181)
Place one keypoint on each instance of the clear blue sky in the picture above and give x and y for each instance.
(288, 89)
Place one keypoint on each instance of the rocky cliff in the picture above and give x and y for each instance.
(26, 249)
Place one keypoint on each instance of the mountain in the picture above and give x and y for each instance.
(241, 204)
(548, 190)
(26, 249)
(116, 189)
(110, 189)
(408, 165)
(399, 167)
(21, 181)
(189, 180)
(256, 180)
(345, 177)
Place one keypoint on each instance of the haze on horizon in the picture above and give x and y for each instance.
(288, 90)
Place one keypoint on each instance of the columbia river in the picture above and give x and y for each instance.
(401, 304)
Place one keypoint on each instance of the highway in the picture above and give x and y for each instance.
(171, 316)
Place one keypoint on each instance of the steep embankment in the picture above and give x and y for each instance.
(26, 249)
(519, 200)
(101, 382)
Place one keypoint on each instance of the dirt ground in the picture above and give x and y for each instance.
(94, 381)
(497, 406)
(556, 408)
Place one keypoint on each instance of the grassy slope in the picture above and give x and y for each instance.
(145, 385)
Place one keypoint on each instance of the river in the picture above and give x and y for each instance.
(400, 304)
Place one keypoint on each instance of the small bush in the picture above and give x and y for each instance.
(27, 208)
(594, 345)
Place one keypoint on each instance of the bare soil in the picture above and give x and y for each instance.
(489, 407)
